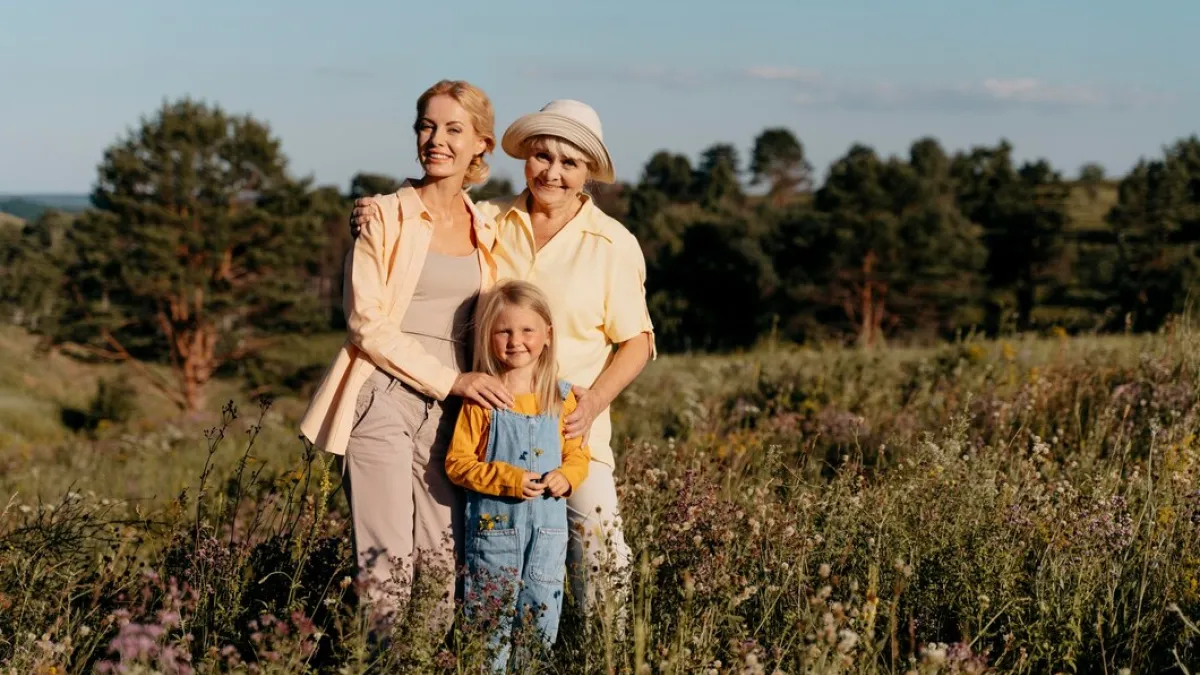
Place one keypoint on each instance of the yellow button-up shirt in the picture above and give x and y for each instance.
(594, 274)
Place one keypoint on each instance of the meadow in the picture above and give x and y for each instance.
(1027, 505)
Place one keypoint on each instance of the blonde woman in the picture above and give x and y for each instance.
(593, 272)
(387, 404)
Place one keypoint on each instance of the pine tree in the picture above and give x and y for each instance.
(199, 244)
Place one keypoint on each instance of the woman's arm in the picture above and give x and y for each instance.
(631, 357)
(576, 458)
(381, 338)
(627, 324)
(370, 326)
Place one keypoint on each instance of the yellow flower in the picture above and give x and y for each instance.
(1166, 515)
(1008, 351)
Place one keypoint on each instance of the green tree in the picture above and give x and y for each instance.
(670, 175)
(713, 283)
(1157, 225)
(370, 184)
(1024, 214)
(716, 180)
(779, 161)
(199, 245)
(1091, 175)
(899, 253)
(32, 258)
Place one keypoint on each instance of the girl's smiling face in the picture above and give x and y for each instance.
(519, 336)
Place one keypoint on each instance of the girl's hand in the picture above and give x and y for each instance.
(533, 485)
(588, 406)
(558, 483)
(486, 390)
(360, 215)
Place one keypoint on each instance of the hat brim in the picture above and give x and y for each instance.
(550, 124)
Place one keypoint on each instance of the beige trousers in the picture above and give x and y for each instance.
(406, 512)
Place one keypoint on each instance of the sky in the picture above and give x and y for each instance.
(1070, 80)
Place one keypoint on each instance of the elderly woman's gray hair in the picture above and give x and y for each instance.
(564, 121)
(558, 146)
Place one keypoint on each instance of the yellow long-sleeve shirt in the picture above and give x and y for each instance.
(464, 459)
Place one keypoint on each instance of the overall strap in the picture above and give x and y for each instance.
(563, 388)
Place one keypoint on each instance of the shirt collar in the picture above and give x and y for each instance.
(411, 205)
(586, 221)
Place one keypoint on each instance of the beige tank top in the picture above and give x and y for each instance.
(443, 306)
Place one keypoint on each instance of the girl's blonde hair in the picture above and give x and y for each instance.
(514, 293)
(483, 118)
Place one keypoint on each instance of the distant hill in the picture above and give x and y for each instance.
(29, 207)
(7, 220)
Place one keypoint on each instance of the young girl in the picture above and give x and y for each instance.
(517, 466)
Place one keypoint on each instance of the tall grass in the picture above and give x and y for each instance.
(1027, 507)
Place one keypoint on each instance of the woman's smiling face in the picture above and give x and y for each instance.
(446, 139)
(555, 171)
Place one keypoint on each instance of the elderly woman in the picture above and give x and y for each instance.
(387, 403)
(594, 273)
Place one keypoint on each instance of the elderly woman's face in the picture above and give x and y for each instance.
(554, 174)
(446, 138)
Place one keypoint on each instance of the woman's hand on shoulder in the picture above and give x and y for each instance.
(485, 390)
(587, 406)
(364, 209)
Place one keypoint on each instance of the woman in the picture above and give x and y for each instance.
(593, 271)
(387, 403)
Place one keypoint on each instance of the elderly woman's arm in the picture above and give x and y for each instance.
(627, 325)
(631, 357)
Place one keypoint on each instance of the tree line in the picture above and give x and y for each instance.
(201, 245)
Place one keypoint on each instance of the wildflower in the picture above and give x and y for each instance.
(935, 654)
(823, 570)
(848, 640)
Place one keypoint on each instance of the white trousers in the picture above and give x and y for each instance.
(598, 557)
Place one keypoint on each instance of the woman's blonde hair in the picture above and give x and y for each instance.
(483, 118)
(515, 293)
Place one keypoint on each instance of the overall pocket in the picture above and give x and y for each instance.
(548, 559)
(494, 562)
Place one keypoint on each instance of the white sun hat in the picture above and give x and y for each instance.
(569, 120)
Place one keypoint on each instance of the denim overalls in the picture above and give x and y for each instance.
(516, 549)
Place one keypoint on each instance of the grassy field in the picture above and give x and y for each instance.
(1024, 506)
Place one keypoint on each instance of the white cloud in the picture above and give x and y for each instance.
(785, 73)
(989, 94)
(811, 87)
(663, 76)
